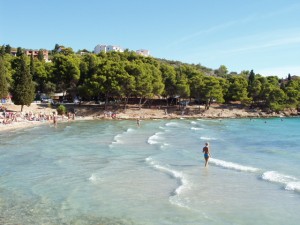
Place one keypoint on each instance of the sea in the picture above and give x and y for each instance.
(112, 172)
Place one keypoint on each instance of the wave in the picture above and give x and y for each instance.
(172, 124)
(234, 166)
(293, 186)
(164, 145)
(154, 139)
(193, 122)
(118, 137)
(291, 183)
(179, 176)
(207, 138)
(276, 177)
(130, 130)
(196, 128)
(93, 178)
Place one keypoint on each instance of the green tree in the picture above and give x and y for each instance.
(2, 50)
(211, 90)
(222, 71)
(55, 50)
(108, 79)
(19, 51)
(237, 90)
(273, 80)
(39, 74)
(292, 91)
(3, 80)
(169, 79)
(61, 110)
(32, 66)
(254, 90)
(182, 84)
(88, 66)
(251, 78)
(66, 72)
(23, 86)
(67, 51)
(196, 86)
(157, 82)
(143, 81)
(40, 55)
(7, 49)
(277, 99)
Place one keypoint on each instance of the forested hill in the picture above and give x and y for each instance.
(125, 75)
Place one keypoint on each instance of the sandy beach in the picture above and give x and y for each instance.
(90, 112)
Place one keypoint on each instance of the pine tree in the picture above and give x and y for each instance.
(32, 67)
(40, 55)
(3, 81)
(23, 87)
(7, 49)
(2, 50)
(251, 77)
(19, 51)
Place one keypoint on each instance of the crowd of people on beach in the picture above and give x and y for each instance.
(8, 117)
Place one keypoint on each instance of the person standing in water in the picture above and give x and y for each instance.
(138, 122)
(206, 153)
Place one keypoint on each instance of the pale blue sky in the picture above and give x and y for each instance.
(263, 35)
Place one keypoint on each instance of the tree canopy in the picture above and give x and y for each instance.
(116, 75)
(23, 89)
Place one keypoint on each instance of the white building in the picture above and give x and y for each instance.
(143, 52)
(107, 48)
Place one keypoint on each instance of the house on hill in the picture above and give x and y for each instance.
(107, 48)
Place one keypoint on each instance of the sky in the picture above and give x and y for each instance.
(263, 35)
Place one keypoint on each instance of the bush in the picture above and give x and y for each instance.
(276, 107)
(61, 109)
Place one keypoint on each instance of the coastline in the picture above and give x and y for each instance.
(89, 112)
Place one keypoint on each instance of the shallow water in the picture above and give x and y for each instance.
(113, 172)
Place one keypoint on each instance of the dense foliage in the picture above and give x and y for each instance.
(23, 88)
(120, 76)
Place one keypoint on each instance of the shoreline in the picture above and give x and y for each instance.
(88, 112)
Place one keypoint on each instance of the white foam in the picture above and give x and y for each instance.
(207, 138)
(291, 183)
(293, 186)
(154, 139)
(93, 178)
(276, 177)
(234, 166)
(175, 174)
(172, 124)
(196, 128)
(117, 139)
(193, 122)
(130, 130)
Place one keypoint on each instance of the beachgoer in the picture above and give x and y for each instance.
(206, 153)
(138, 122)
(54, 118)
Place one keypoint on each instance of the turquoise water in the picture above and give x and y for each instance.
(113, 172)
